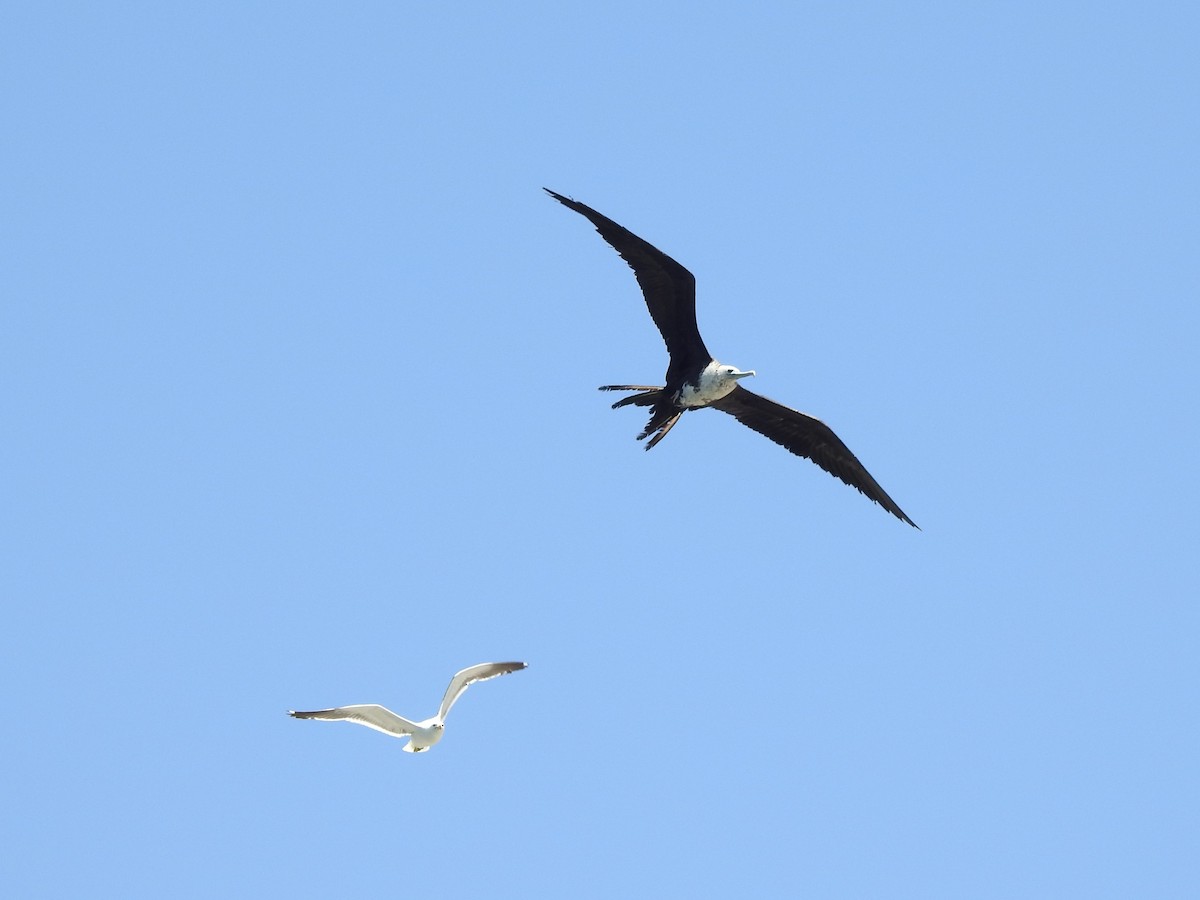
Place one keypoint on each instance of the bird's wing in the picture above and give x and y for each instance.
(369, 714)
(467, 677)
(807, 437)
(669, 288)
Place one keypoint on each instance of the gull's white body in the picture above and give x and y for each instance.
(422, 735)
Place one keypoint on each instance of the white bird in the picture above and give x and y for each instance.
(423, 734)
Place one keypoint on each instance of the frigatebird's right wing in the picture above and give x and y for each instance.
(807, 437)
(669, 289)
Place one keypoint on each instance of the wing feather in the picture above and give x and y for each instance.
(467, 677)
(669, 289)
(807, 437)
(373, 716)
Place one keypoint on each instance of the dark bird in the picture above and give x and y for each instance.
(696, 380)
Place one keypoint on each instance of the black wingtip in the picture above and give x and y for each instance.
(894, 508)
(895, 511)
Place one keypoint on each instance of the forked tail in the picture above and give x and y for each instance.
(663, 414)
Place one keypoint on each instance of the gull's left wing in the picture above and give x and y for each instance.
(467, 677)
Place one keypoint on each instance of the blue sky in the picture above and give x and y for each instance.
(300, 371)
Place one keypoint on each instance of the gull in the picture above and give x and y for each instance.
(695, 380)
(424, 734)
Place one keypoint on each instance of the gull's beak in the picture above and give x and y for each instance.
(743, 374)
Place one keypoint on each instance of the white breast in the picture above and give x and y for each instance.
(427, 734)
(715, 382)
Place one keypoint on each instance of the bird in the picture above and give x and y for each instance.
(422, 735)
(696, 380)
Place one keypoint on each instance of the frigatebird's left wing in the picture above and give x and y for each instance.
(807, 437)
(669, 289)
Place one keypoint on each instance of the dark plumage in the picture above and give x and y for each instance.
(696, 380)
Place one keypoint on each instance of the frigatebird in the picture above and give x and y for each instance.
(696, 380)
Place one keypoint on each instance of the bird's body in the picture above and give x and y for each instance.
(422, 735)
(715, 382)
(696, 380)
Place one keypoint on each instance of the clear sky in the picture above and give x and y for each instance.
(299, 373)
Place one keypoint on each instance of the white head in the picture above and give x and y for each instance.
(716, 381)
(731, 373)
